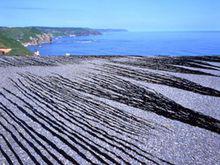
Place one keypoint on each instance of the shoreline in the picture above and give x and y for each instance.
(137, 43)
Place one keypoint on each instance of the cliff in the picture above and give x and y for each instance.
(39, 39)
(38, 35)
(17, 38)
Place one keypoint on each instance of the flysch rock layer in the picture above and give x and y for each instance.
(110, 110)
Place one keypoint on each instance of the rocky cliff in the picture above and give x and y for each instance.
(39, 39)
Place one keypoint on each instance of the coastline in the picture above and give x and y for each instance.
(40, 39)
(112, 109)
(19, 38)
(136, 43)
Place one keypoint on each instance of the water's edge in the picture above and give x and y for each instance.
(135, 43)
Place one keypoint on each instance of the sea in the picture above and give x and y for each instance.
(135, 43)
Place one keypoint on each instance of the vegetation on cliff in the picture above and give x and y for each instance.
(22, 34)
(17, 48)
(16, 38)
(66, 31)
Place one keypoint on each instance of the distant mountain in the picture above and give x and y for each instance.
(111, 30)
(67, 31)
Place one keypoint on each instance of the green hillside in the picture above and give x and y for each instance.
(15, 36)
(20, 33)
(17, 48)
(65, 31)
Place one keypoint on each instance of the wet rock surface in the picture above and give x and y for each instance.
(109, 110)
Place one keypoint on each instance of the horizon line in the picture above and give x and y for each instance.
(130, 30)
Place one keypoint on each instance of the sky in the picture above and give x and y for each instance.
(134, 15)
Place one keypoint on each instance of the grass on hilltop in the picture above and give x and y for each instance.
(20, 33)
(17, 48)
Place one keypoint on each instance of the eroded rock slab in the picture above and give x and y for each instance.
(109, 110)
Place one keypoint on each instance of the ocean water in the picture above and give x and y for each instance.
(135, 43)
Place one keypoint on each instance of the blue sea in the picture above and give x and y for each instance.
(135, 43)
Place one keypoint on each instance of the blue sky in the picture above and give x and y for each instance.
(136, 15)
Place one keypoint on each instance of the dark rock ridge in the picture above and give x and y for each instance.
(52, 114)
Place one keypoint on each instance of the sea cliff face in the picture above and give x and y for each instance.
(39, 35)
(48, 37)
(40, 39)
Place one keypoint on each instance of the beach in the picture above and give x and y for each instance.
(110, 110)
